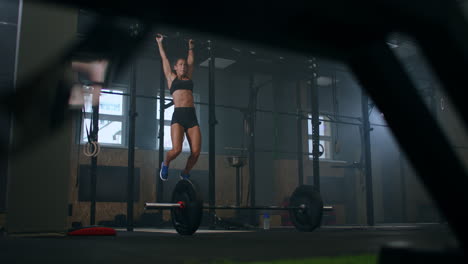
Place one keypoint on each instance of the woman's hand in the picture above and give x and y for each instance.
(191, 44)
(159, 38)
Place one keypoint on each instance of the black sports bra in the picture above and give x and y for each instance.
(181, 85)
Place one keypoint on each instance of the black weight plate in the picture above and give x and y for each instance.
(186, 220)
(309, 218)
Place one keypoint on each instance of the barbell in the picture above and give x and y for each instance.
(305, 208)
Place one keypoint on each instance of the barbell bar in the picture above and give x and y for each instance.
(162, 206)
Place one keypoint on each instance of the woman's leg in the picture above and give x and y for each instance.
(96, 72)
(177, 138)
(194, 139)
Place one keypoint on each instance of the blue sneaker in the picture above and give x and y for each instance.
(184, 176)
(164, 174)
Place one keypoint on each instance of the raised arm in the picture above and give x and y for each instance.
(190, 59)
(165, 61)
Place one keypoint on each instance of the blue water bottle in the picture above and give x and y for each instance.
(266, 221)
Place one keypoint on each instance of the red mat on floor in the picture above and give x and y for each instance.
(92, 231)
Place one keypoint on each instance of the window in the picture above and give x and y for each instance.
(325, 136)
(167, 125)
(112, 118)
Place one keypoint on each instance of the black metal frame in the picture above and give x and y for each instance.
(212, 138)
(93, 169)
(300, 157)
(366, 150)
(131, 149)
(162, 108)
(314, 105)
(251, 147)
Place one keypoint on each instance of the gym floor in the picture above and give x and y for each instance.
(208, 246)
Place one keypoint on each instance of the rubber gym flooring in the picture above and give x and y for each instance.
(208, 246)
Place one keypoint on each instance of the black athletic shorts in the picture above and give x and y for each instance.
(185, 116)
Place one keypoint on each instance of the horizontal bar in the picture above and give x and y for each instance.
(271, 151)
(379, 125)
(161, 205)
(329, 114)
(171, 103)
(224, 106)
(233, 207)
(138, 95)
(337, 122)
(282, 152)
(8, 23)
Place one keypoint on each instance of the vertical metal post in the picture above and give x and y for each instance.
(336, 111)
(276, 98)
(94, 137)
(252, 115)
(238, 186)
(212, 139)
(131, 149)
(300, 151)
(314, 104)
(367, 158)
(403, 188)
(162, 108)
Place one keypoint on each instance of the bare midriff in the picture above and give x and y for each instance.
(183, 98)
